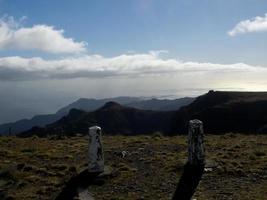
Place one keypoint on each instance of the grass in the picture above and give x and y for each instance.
(38, 168)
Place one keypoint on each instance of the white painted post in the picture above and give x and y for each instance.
(96, 156)
(196, 150)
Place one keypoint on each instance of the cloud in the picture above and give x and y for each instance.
(38, 37)
(97, 66)
(257, 24)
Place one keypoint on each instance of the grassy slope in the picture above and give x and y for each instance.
(35, 168)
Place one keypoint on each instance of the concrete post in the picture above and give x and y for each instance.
(196, 151)
(96, 157)
(194, 168)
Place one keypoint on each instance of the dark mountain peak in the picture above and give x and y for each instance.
(75, 111)
(223, 111)
(111, 105)
(73, 115)
(233, 96)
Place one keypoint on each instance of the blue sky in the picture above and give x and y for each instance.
(189, 29)
(53, 52)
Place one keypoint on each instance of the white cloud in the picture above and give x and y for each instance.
(38, 37)
(257, 24)
(97, 66)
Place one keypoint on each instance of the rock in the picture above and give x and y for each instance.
(107, 171)
(141, 149)
(124, 153)
(208, 169)
(142, 159)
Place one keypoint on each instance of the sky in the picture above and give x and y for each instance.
(54, 52)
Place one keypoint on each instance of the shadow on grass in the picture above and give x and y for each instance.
(79, 182)
(188, 182)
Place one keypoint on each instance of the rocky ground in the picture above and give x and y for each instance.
(38, 168)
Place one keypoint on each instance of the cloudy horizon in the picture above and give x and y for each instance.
(140, 48)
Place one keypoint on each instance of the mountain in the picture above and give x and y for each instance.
(25, 124)
(244, 112)
(113, 118)
(221, 112)
(161, 104)
(91, 105)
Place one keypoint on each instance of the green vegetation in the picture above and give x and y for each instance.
(38, 168)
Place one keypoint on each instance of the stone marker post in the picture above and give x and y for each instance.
(196, 151)
(96, 157)
(194, 168)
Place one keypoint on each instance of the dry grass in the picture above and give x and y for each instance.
(38, 168)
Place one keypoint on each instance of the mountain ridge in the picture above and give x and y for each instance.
(91, 105)
(113, 118)
(221, 112)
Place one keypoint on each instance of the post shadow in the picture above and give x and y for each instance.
(188, 182)
(82, 180)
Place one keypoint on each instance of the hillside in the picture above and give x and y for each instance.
(222, 112)
(113, 118)
(161, 104)
(26, 124)
(92, 105)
